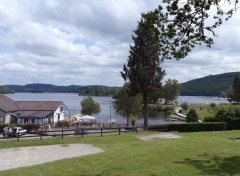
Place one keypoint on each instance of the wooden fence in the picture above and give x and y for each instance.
(69, 132)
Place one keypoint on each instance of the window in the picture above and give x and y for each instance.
(61, 109)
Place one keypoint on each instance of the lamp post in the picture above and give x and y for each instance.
(110, 117)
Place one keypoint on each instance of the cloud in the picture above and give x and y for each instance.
(87, 42)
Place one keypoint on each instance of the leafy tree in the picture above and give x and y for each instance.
(143, 69)
(89, 106)
(133, 119)
(171, 90)
(6, 90)
(230, 94)
(126, 105)
(192, 116)
(182, 25)
(184, 106)
(236, 89)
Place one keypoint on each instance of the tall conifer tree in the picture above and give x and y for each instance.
(143, 69)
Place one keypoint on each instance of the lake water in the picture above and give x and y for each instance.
(72, 101)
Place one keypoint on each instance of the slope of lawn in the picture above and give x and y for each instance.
(203, 153)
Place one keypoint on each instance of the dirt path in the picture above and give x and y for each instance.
(27, 156)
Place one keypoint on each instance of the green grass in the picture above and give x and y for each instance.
(202, 154)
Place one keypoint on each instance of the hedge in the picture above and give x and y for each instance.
(194, 127)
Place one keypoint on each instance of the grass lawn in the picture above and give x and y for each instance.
(203, 153)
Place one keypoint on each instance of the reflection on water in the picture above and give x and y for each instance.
(72, 101)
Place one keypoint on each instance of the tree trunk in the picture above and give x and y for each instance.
(145, 113)
(127, 121)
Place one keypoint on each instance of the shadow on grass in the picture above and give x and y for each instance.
(215, 165)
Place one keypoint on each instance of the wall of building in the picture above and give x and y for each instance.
(2, 116)
(59, 114)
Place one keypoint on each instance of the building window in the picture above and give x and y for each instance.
(61, 109)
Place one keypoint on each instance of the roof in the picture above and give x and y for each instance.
(7, 104)
(32, 108)
(33, 114)
(38, 105)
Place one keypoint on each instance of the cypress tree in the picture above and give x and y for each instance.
(143, 69)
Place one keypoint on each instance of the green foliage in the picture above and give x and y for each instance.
(194, 127)
(171, 90)
(184, 106)
(236, 89)
(143, 69)
(62, 123)
(133, 119)
(211, 119)
(192, 116)
(211, 85)
(89, 106)
(156, 107)
(182, 25)
(126, 105)
(28, 127)
(82, 90)
(212, 105)
(98, 91)
(6, 90)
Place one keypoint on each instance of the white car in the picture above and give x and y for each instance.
(14, 131)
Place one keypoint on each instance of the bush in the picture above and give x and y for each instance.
(211, 119)
(212, 105)
(62, 123)
(28, 127)
(192, 116)
(184, 106)
(194, 127)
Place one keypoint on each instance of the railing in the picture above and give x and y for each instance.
(68, 132)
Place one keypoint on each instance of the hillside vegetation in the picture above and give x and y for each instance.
(211, 85)
(94, 90)
(6, 90)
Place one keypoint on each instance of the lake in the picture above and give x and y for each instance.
(72, 101)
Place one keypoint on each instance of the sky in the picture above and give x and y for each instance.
(86, 42)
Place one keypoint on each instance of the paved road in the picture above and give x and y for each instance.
(27, 156)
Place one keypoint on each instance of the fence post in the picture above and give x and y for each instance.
(82, 133)
(62, 133)
(41, 134)
(17, 136)
(101, 131)
(136, 129)
(119, 131)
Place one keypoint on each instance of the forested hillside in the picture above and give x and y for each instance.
(94, 90)
(211, 85)
(6, 90)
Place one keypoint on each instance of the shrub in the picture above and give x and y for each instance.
(62, 123)
(212, 105)
(211, 119)
(192, 116)
(194, 127)
(184, 106)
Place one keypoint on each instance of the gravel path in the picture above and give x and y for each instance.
(27, 156)
(155, 136)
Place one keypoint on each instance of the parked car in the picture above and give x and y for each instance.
(13, 131)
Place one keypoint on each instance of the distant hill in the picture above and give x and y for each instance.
(95, 90)
(211, 85)
(6, 90)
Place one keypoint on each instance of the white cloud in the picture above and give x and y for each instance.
(87, 42)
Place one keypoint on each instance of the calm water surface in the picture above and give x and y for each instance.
(72, 101)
